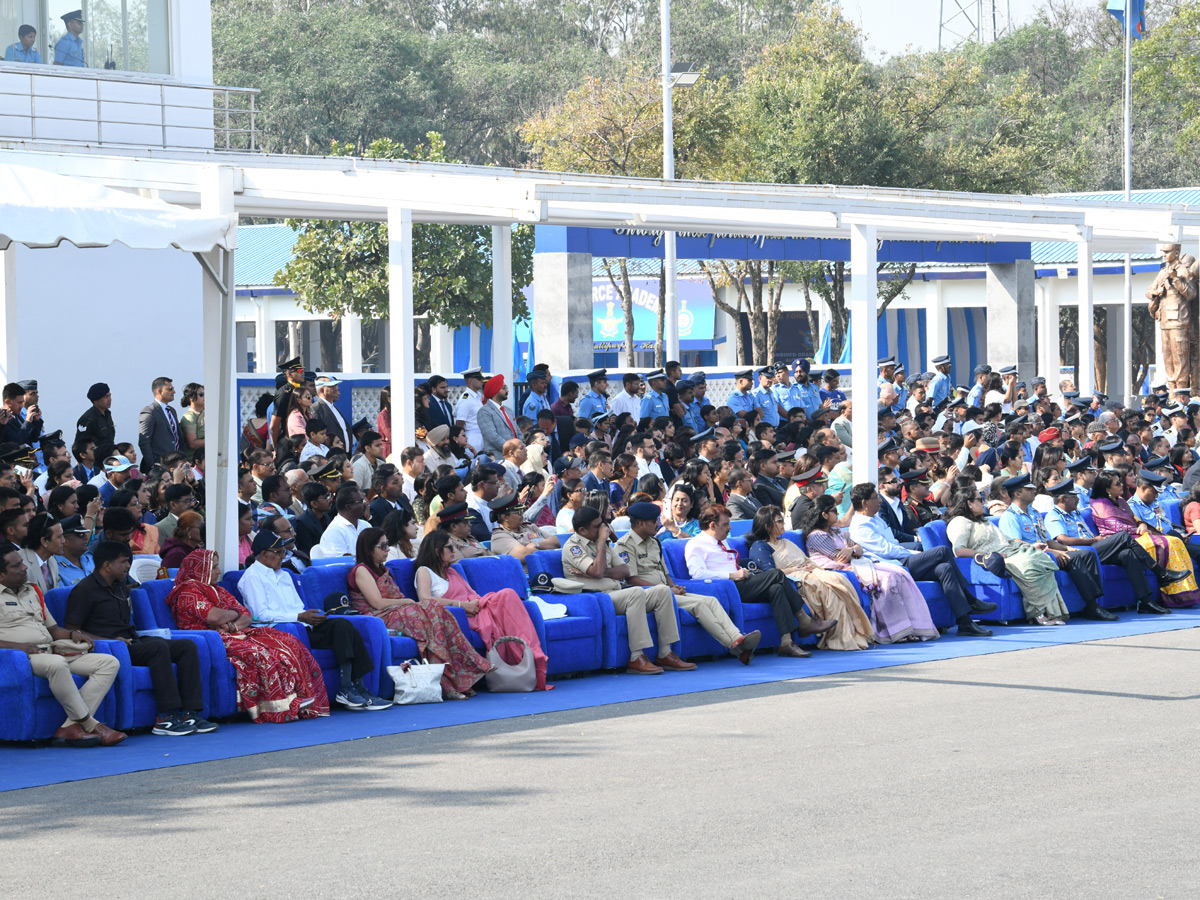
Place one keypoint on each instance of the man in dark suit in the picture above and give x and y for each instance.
(311, 523)
(328, 393)
(158, 425)
(441, 410)
(388, 484)
(742, 502)
(895, 514)
(16, 430)
(768, 489)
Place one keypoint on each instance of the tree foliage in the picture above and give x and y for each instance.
(341, 267)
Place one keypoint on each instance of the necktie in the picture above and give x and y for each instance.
(508, 421)
(171, 423)
(46, 573)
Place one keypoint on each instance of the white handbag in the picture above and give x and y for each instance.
(417, 681)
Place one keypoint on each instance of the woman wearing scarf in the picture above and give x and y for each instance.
(278, 680)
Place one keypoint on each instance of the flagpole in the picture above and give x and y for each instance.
(1127, 308)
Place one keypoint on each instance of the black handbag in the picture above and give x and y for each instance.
(994, 563)
(338, 604)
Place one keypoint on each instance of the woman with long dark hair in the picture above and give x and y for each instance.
(372, 592)
(492, 616)
(898, 610)
(972, 535)
(828, 595)
(400, 529)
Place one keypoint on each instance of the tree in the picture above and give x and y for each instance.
(341, 267)
(614, 127)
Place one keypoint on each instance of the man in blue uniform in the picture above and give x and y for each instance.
(654, 404)
(830, 391)
(898, 382)
(741, 401)
(23, 50)
(764, 399)
(69, 49)
(596, 400)
(1082, 566)
(685, 389)
(1065, 524)
(537, 399)
(887, 372)
(975, 396)
(939, 387)
(808, 394)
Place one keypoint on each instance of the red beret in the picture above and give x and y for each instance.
(1050, 434)
(492, 386)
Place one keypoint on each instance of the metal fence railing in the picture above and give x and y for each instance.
(103, 108)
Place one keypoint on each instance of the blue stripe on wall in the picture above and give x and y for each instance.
(485, 349)
(462, 349)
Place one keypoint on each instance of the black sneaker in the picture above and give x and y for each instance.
(350, 698)
(173, 725)
(203, 726)
(374, 703)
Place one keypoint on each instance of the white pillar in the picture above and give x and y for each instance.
(671, 300)
(8, 321)
(502, 314)
(264, 337)
(1114, 349)
(352, 361)
(400, 324)
(1048, 334)
(220, 384)
(312, 335)
(864, 353)
(441, 349)
(936, 323)
(1120, 377)
(1085, 378)
(1010, 316)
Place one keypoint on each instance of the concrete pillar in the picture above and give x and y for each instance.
(264, 336)
(352, 345)
(1085, 378)
(1117, 369)
(400, 324)
(8, 321)
(1011, 317)
(1048, 362)
(562, 315)
(936, 323)
(502, 314)
(312, 341)
(864, 353)
(1160, 362)
(220, 383)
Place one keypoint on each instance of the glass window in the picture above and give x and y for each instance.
(124, 35)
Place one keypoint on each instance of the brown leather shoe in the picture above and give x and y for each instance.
(816, 626)
(109, 737)
(743, 648)
(674, 663)
(74, 736)
(794, 650)
(642, 666)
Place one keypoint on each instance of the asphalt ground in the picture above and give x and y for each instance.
(1068, 771)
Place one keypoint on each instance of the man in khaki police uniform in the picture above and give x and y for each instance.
(601, 571)
(513, 536)
(643, 555)
(26, 625)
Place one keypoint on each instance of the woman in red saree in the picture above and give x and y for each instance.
(493, 616)
(1111, 513)
(278, 680)
(439, 639)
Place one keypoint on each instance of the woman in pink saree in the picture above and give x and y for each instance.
(1112, 514)
(492, 616)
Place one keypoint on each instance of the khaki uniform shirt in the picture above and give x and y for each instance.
(503, 540)
(22, 619)
(644, 558)
(578, 554)
(467, 549)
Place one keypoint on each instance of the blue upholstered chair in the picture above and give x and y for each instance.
(580, 641)
(28, 711)
(746, 616)
(986, 586)
(222, 679)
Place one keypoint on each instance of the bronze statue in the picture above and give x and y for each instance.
(1172, 297)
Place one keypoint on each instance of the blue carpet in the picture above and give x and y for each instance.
(24, 765)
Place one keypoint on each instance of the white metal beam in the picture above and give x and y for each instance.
(864, 353)
(502, 317)
(1085, 377)
(400, 320)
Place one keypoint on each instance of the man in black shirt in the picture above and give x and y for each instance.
(99, 608)
(97, 423)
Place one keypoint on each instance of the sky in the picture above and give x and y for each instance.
(893, 25)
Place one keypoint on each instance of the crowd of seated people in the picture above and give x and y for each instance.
(1027, 486)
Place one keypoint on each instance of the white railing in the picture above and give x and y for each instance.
(104, 108)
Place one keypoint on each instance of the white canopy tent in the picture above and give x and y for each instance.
(402, 193)
(41, 209)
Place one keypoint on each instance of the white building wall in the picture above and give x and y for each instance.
(81, 318)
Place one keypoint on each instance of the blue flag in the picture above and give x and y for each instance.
(1117, 8)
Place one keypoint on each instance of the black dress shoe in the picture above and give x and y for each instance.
(973, 629)
(980, 606)
(1172, 576)
(1150, 606)
(1099, 613)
